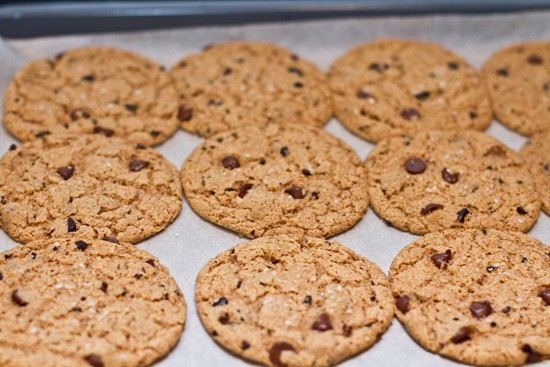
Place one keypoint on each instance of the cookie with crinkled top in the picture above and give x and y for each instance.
(86, 186)
(518, 79)
(281, 179)
(293, 301)
(231, 85)
(93, 90)
(437, 180)
(391, 86)
(536, 153)
(477, 296)
(78, 303)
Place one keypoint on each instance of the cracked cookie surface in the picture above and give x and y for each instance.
(70, 302)
(437, 180)
(536, 153)
(276, 180)
(293, 301)
(86, 186)
(96, 90)
(235, 84)
(518, 79)
(479, 297)
(390, 86)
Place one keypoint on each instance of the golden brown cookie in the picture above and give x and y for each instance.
(437, 180)
(478, 296)
(231, 85)
(86, 186)
(81, 303)
(536, 153)
(95, 90)
(390, 86)
(518, 79)
(293, 301)
(282, 179)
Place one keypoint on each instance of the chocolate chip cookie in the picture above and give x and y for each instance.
(86, 186)
(442, 179)
(478, 296)
(235, 84)
(95, 90)
(536, 153)
(518, 78)
(282, 179)
(73, 302)
(389, 87)
(293, 301)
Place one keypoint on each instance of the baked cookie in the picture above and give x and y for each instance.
(478, 296)
(95, 90)
(518, 79)
(86, 186)
(293, 301)
(389, 87)
(536, 153)
(70, 302)
(442, 179)
(282, 179)
(231, 85)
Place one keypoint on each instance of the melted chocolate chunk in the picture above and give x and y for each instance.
(71, 225)
(185, 113)
(449, 177)
(104, 286)
(284, 151)
(402, 303)
(131, 107)
(462, 335)
(521, 210)
(276, 350)
(481, 309)
(224, 319)
(296, 192)
(94, 360)
(110, 239)
(322, 323)
(545, 295)
(415, 166)
(532, 355)
(244, 189)
(409, 113)
(534, 59)
(462, 215)
(442, 260)
(347, 330)
(66, 172)
(430, 208)
(306, 172)
(220, 302)
(16, 298)
(81, 245)
(230, 162)
(137, 165)
(103, 131)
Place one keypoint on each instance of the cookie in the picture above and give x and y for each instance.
(293, 301)
(86, 186)
(282, 179)
(437, 180)
(70, 302)
(390, 86)
(518, 79)
(231, 85)
(95, 90)
(536, 153)
(477, 296)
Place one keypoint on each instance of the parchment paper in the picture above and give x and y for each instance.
(190, 242)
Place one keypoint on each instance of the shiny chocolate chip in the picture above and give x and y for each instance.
(296, 71)
(461, 215)
(151, 262)
(66, 172)
(103, 131)
(296, 192)
(462, 335)
(431, 207)
(449, 177)
(220, 302)
(245, 345)
(361, 94)
(532, 355)
(545, 295)
(347, 330)
(442, 260)
(306, 172)
(42, 133)
(185, 113)
(110, 239)
(409, 113)
(224, 318)
(131, 107)
(307, 300)
(276, 350)
(402, 303)
(94, 360)
(415, 166)
(104, 287)
(230, 162)
(422, 96)
(16, 298)
(521, 210)
(137, 165)
(81, 245)
(481, 309)
(284, 151)
(322, 323)
(13, 147)
(244, 189)
(71, 225)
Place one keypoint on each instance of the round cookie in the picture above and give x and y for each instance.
(518, 79)
(390, 86)
(477, 296)
(281, 179)
(95, 90)
(69, 302)
(442, 179)
(231, 85)
(293, 301)
(536, 153)
(86, 186)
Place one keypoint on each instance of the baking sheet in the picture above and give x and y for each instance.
(190, 242)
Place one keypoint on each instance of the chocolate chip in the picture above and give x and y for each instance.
(94, 360)
(315, 195)
(490, 269)
(185, 113)
(442, 260)
(227, 71)
(138, 276)
(534, 59)
(245, 345)
(81, 245)
(462, 214)
(298, 85)
(262, 161)
(495, 150)
(66, 172)
(415, 166)
(104, 286)
(375, 67)
(481, 309)
(1, 276)
(224, 319)
(322, 323)
(472, 114)
(244, 189)
(13, 147)
(284, 151)
(532, 355)
(449, 177)
(521, 210)
(88, 78)
(502, 72)
(506, 309)
(296, 192)
(307, 300)
(422, 96)
(103, 131)
(306, 172)
(545, 295)
(140, 146)
(137, 165)
(362, 94)
(402, 303)
(230, 162)
(222, 301)
(409, 113)
(16, 298)
(347, 330)
(77, 113)
(276, 350)
(452, 65)
(33, 254)
(110, 239)
(462, 335)
(430, 208)
(493, 324)
(71, 225)
(523, 260)
(296, 71)
(42, 133)
(76, 309)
